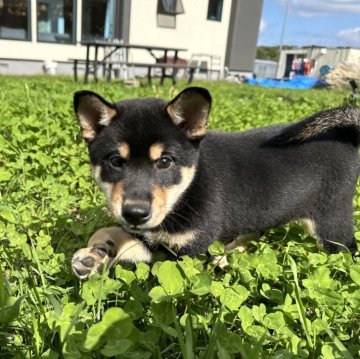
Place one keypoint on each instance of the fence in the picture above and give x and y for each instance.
(265, 68)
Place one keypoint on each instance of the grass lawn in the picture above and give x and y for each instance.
(283, 298)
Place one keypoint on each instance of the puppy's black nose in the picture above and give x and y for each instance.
(136, 214)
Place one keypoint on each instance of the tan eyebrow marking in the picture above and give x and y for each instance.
(124, 150)
(155, 151)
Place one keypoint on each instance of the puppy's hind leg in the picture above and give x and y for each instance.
(335, 232)
(106, 247)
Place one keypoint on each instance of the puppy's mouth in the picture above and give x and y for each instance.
(133, 228)
(152, 224)
(141, 230)
(138, 218)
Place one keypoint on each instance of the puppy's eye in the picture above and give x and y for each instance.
(116, 161)
(164, 162)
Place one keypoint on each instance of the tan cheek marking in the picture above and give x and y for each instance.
(155, 151)
(96, 171)
(175, 192)
(158, 206)
(165, 198)
(116, 198)
(106, 187)
(124, 150)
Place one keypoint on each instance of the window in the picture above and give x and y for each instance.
(215, 10)
(55, 21)
(98, 19)
(170, 7)
(167, 11)
(15, 19)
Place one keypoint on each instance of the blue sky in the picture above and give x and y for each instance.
(311, 22)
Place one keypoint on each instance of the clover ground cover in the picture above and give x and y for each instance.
(283, 298)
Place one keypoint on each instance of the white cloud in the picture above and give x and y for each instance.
(309, 8)
(263, 25)
(350, 36)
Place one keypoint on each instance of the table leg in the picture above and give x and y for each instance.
(87, 64)
(163, 74)
(175, 57)
(95, 63)
(149, 75)
(75, 70)
(174, 71)
(109, 73)
(191, 75)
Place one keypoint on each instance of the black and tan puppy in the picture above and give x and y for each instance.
(167, 180)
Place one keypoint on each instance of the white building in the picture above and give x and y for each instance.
(36, 31)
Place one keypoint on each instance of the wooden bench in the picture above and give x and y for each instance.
(77, 62)
(108, 67)
(159, 65)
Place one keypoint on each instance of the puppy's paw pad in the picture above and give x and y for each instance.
(88, 261)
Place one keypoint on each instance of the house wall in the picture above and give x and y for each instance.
(331, 57)
(354, 56)
(33, 50)
(210, 37)
(192, 32)
(138, 24)
(243, 34)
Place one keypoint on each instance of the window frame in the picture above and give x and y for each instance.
(163, 12)
(29, 26)
(87, 37)
(215, 4)
(163, 8)
(74, 27)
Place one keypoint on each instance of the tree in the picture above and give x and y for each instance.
(269, 52)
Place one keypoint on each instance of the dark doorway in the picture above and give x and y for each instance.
(288, 66)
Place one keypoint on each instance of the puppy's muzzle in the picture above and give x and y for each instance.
(136, 214)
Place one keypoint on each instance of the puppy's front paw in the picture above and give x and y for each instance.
(87, 261)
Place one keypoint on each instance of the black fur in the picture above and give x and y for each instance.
(245, 182)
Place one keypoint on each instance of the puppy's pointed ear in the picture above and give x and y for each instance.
(190, 110)
(93, 113)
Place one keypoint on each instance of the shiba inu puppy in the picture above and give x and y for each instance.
(169, 181)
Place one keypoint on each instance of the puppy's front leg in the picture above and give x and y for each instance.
(106, 247)
(238, 244)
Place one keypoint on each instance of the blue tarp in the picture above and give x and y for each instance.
(298, 82)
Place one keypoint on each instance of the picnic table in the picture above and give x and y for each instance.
(163, 62)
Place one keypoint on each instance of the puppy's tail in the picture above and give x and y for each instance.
(342, 123)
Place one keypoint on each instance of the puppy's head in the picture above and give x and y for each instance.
(143, 152)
